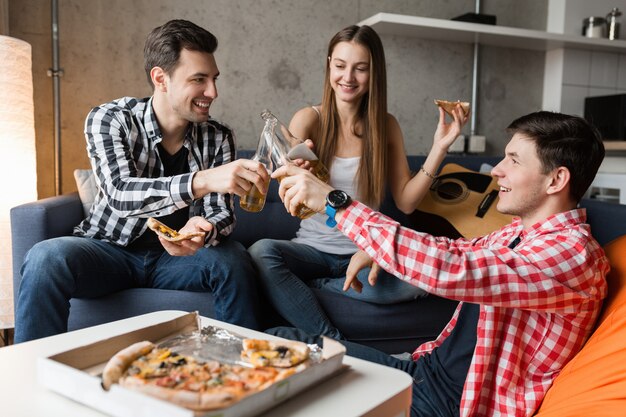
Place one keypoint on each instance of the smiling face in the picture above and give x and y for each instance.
(349, 67)
(190, 88)
(524, 187)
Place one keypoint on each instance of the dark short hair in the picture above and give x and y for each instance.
(164, 44)
(564, 141)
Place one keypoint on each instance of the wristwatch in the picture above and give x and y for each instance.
(335, 200)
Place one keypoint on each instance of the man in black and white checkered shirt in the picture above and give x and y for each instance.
(161, 157)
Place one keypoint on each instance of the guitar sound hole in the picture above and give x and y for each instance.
(450, 191)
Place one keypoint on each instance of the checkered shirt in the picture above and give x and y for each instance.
(122, 138)
(538, 301)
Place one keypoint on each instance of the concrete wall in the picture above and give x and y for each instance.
(271, 55)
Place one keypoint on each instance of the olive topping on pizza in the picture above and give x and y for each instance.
(449, 106)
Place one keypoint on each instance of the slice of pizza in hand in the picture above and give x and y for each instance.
(168, 233)
(279, 354)
(449, 106)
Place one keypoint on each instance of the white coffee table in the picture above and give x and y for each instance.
(366, 389)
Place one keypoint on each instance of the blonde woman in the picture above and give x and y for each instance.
(362, 145)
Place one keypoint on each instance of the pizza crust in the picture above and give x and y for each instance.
(449, 106)
(193, 400)
(118, 364)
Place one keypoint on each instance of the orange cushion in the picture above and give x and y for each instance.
(594, 382)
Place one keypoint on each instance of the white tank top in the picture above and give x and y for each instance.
(313, 231)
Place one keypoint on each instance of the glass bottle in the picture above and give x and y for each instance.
(254, 200)
(286, 148)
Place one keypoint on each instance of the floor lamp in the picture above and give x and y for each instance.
(18, 170)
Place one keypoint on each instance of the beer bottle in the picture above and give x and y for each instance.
(254, 201)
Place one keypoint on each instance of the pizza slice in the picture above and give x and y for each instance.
(183, 380)
(279, 354)
(449, 106)
(168, 233)
(115, 367)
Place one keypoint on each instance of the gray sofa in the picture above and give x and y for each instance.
(391, 328)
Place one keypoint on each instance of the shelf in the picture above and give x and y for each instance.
(465, 32)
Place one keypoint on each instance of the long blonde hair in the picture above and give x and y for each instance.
(372, 115)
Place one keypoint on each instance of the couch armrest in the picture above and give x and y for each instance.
(40, 220)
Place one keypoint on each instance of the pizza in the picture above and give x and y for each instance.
(168, 233)
(279, 354)
(183, 380)
(449, 106)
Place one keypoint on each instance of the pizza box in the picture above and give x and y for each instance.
(76, 374)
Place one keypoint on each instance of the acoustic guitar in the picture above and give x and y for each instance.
(466, 200)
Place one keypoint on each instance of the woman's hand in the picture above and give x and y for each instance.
(446, 133)
(303, 163)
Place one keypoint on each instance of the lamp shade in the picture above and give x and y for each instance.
(18, 170)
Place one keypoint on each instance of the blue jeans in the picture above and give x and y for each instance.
(429, 399)
(58, 269)
(288, 270)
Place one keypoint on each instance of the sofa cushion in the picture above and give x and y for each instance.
(87, 188)
(594, 382)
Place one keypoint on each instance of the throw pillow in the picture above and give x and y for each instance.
(87, 188)
(594, 382)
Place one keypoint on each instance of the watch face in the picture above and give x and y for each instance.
(338, 199)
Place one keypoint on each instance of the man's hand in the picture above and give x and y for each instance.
(236, 177)
(300, 187)
(190, 246)
(359, 261)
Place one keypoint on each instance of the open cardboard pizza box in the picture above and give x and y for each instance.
(76, 374)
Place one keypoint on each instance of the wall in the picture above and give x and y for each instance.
(271, 55)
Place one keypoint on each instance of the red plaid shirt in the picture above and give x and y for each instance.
(538, 301)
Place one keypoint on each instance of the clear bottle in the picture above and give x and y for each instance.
(254, 201)
(286, 148)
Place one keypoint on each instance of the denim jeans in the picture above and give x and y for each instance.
(288, 270)
(429, 399)
(58, 269)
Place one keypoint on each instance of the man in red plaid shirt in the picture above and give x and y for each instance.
(529, 293)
